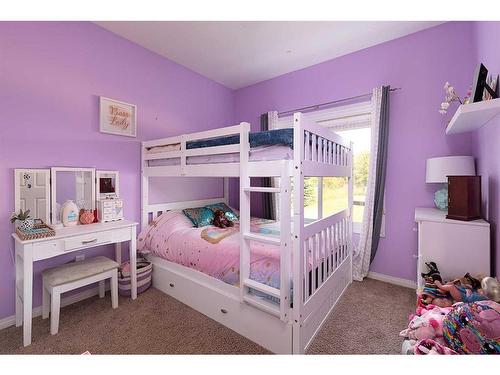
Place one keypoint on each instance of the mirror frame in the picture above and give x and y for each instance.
(53, 187)
(17, 190)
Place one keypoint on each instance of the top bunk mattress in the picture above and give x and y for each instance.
(274, 137)
(277, 137)
(265, 146)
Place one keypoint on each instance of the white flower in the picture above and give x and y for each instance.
(451, 90)
(442, 111)
(445, 105)
(446, 85)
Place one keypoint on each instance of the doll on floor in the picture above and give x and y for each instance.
(431, 294)
(461, 291)
(466, 289)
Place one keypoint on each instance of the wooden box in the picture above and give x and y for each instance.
(464, 198)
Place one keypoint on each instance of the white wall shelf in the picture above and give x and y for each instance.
(472, 116)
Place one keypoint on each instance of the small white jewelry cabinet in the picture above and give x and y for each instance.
(109, 204)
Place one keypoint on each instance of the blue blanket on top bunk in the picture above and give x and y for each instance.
(265, 138)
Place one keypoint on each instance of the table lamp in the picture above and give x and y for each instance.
(438, 170)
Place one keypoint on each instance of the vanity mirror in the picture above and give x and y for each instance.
(71, 184)
(32, 192)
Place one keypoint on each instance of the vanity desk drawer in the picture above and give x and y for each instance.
(48, 249)
(122, 235)
(87, 240)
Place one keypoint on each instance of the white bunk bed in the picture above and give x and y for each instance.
(315, 259)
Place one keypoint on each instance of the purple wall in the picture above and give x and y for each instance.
(51, 75)
(420, 64)
(486, 140)
(165, 189)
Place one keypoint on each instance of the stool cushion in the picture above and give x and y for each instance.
(77, 270)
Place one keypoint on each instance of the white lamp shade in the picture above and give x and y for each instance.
(439, 168)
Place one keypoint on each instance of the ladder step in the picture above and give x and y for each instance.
(269, 290)
(261, 238)
(260, 189)
(262, 304)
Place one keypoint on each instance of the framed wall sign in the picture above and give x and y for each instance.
(117, 117)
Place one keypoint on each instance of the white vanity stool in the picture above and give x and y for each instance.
(74, 275)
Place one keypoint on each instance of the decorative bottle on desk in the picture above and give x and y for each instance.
(69, 213)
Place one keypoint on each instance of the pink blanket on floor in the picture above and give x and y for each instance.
(172, 237)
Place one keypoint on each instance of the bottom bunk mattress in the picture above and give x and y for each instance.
(212, 251)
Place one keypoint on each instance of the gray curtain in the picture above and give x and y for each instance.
(378, 203)
(267, 202)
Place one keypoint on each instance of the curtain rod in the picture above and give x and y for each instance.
(316, 106)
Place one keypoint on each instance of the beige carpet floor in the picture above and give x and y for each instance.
(367, 320)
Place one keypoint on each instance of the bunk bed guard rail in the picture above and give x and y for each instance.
(322, 262)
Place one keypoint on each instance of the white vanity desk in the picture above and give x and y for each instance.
(66, 240)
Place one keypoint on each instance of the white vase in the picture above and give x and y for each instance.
(69, 213)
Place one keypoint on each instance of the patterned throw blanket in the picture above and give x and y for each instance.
(259, 226)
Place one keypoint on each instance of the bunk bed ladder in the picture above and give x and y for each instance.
(252, 291)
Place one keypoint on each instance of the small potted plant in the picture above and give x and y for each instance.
(25, 223)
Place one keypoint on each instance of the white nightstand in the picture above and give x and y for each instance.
(456, 246)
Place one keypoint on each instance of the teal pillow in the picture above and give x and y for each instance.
(199, 216)
(224, 207)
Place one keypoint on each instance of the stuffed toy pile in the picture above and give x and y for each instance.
(464, 328)
(473, 328)
(442, 325)
(425, 324)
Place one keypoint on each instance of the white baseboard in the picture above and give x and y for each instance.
(37, 311)
(392, 280)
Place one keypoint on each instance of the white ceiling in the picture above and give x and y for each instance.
(238, 54)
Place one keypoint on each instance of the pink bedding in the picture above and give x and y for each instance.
(172, 237)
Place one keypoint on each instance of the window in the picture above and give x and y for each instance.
(335, 196)
(351, 122)
(361, 161)
(335, 189)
